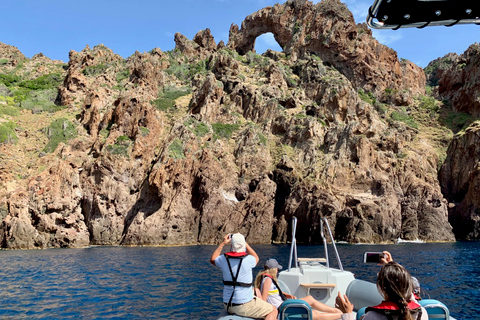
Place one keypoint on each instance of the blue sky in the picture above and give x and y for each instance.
(54, 27)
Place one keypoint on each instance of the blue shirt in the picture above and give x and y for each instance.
(242, 294)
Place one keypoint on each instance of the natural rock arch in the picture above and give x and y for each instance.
(328, 30)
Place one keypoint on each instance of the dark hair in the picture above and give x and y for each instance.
(395, 284)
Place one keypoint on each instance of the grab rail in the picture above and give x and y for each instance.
(293, 247)
(333, 243)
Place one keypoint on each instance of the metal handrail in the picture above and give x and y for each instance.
(325, 248)
(334, 246)
(293, 247)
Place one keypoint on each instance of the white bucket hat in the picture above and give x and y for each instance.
(238, 242)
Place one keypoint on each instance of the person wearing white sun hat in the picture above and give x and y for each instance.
(237, 266)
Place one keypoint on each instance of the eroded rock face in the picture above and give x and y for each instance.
(328, 30)
(182, 147)
(460, 179)
(460, 83)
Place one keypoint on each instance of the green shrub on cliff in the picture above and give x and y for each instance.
(367, 97)
(9, 80)
(8, 110)
(167, 97)
(60, 130)
(95, 70)
(48, 81)
(224, 130)
(175, 149)
(7, 132)
(40, 100)
(404, 117)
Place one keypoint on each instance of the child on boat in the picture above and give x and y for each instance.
(266, 282)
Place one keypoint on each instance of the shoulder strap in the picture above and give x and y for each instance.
(234, 282)
(282, 295)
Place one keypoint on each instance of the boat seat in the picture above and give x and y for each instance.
(435, 309)
(360, 313)
(294, 309)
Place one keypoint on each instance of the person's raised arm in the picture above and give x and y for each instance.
(387, 257)
(216, 253)
(252, 252)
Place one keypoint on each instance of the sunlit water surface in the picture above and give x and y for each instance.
(179, 282)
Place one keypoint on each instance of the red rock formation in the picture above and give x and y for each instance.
(460, 180)
(328, 30)
(460, 83)
(258, 140)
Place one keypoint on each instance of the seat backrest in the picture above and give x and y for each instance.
(294, 309)
(435, 309)
(360, 313)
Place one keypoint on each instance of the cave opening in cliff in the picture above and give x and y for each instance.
(266, 41)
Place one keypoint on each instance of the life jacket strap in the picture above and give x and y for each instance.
(282, 295)
(238, 284)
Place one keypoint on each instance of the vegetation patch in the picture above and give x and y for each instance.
(201, 129)
(429, 103)
(60, 130)
(122, 75)
(96, 70)
(7, 132)
(3, 62)
(120, 148)
(167, 97)
(40, 101)
(262, 138)
(8, 110)
(175, 149)
(48, 81)
(367, 97)
(404, 117)
(144, 131)
(224, 130)
(9, 80)
(456, 121)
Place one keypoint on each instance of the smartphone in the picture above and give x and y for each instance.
(372, 257)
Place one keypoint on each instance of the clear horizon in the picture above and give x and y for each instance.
(55, 27)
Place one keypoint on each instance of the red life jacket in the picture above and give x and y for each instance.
(390, 309)
(236, 254)
(234, 283)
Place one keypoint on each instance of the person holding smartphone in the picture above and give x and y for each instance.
(237, 266)
(395, 284)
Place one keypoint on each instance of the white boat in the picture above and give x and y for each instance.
(315, 277)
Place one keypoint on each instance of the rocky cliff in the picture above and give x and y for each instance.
(181, 147)
(458, 79)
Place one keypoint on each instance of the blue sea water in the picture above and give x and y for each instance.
(179, 282)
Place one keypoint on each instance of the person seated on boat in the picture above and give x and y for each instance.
(387, 257)
(416, 289)
(237, 266)
(394, 283)
(266, 281)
